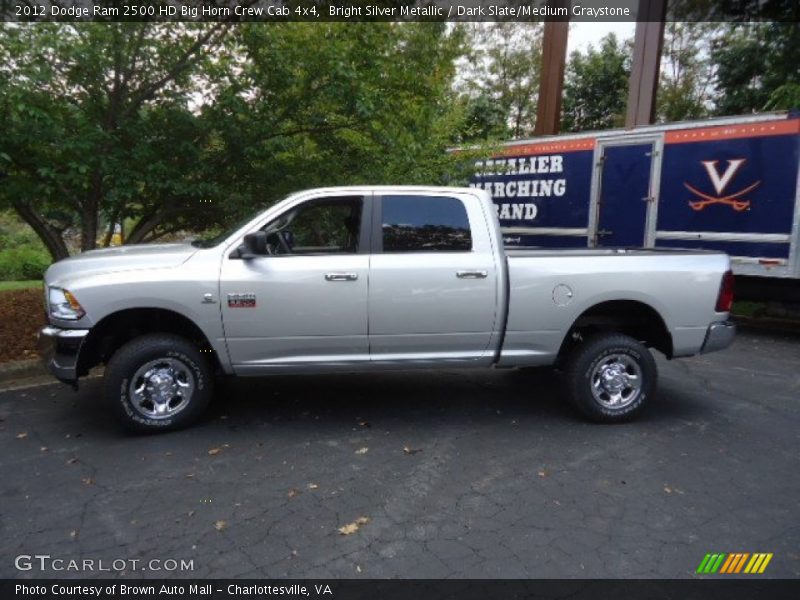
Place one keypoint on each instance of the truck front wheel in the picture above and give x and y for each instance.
(610, 376)
(158, 382)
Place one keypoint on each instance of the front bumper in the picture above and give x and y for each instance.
(59, 349)
(719, 336)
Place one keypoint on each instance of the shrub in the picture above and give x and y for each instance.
(23, 263)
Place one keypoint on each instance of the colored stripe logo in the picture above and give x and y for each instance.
(734, 563)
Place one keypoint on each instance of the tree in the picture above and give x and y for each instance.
(757, 66)
(596, 86)
(685, 90)
(97, 123)
(335, 103)
(182, 127)
(501, 79)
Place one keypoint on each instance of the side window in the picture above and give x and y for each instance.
(325, 226)
(424, 224)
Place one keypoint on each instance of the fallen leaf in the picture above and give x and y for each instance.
(220, 525)
(543, 473)
(214, 451)
(293, 492)
(351, 528)
(363, 450)
(190, 513)
(72, 461)
(312, 486)
(22, 436)
(358, 568)
(410, 451)
(88, 481)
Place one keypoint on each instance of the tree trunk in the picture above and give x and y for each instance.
(144, 227)
(88, 228)
(49, 235)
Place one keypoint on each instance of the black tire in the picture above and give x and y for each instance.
(171, 361)
(614, 359)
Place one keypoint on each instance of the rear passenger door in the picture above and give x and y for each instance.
(432, 285)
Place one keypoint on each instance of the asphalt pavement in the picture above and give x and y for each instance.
(435, 474)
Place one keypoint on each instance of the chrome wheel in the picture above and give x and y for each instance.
(616, 381)
(161, 388)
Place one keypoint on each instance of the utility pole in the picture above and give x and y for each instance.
(647, 46)
(551, 84)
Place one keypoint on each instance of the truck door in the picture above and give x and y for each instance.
(624, 194)
(305, 303)
(433, 288)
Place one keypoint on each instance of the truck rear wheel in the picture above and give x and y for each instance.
(610, 376)
(158, 382)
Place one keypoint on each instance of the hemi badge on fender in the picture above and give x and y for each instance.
(242, 300)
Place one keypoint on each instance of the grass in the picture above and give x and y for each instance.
(20, 285)
(747, 309)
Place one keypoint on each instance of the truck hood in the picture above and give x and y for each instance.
(121, 258)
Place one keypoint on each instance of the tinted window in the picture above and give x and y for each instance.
(325, 226)
(424, 224)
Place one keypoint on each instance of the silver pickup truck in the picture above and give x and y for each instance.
(365, 278)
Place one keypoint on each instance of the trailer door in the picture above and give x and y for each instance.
(625, 194)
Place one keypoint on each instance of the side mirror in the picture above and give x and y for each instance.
(255, 245)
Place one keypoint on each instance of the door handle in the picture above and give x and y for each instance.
(341, 276)
(472, 274)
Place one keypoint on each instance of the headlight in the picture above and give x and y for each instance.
(63, 305)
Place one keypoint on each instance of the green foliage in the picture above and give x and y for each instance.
(23, 263)
(311, 107)
(684, 90)
(596, 86)
(181, 127)
(22, 255)
(757, 67)
(500, 80)
(784, 97)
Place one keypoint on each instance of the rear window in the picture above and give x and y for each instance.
(424, 224)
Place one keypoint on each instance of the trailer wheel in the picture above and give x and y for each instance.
(609, 377)
(158, 382)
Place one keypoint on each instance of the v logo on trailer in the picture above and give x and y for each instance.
(720, 183)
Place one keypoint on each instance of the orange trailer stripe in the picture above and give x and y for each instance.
(732, 132)
(554, 147)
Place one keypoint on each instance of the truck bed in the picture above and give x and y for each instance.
(550, 288)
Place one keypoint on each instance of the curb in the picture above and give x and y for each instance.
(18, 369)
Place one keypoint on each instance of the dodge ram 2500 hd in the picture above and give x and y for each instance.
(365, 278)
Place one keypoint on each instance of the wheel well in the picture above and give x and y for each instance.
(629, 317)
(116, 329)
